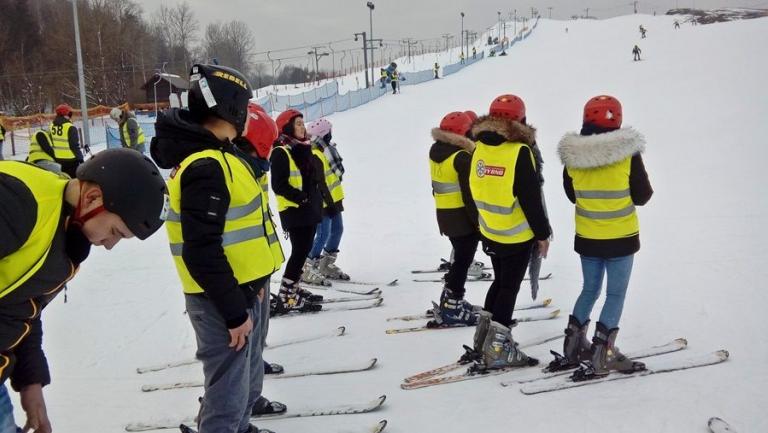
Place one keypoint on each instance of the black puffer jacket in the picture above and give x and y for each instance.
(204, 204)
(461, 221)
(311, 196)
(494, 131)
(21, 331)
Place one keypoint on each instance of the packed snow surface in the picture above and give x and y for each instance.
(699, 97)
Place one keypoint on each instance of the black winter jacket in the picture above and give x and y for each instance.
(587, 150)
(313, 190)
(204, 204)
(461, 221)
(494, 131)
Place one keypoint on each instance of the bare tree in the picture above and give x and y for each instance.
(229, 43)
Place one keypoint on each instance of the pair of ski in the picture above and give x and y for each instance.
(347, 305)
(378, 428)
(341, 288)
(346, 409)
(429, 314)
(338, 332)
(485, 277)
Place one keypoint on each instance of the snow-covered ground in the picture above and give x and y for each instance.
(699, 96)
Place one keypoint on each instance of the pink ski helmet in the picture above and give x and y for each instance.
(319, 128)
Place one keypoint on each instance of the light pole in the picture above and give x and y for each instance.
(159, 77)
(81, 79)
(515, 22)
(498, 22)
(371, 6)
(462, 33)
(317, 60)
(365, 56)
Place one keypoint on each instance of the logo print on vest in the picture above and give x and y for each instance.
(481, 170)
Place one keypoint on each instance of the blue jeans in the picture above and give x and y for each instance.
(619, 270)
(233, 380)
(327, 236)
(7, 423)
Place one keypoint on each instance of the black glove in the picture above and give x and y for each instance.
(332, 210)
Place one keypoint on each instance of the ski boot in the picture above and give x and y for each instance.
(265, 407)
(327, 267)
(445, 266)
(253, 429)
(501, 351)
(272, 368)
(576, 348)
(311, 274)
(290, 299)
(475, 270)
(453, 311)
(605, 357)
(475, 353)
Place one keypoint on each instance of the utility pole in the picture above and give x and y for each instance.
(550, 12)
(447, 37)
(371, 6)
(365, 56)
(635, 4)
(515, 22)
(587, 10)
(317, 60)
(498, 22)
(410, 43)
(81, 78)
(533, 11)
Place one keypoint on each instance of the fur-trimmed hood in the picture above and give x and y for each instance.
(598, 150)
(453, 138)
(512, 131)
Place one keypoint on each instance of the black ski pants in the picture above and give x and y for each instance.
(509, 270)
(394, 86)
(464, 248)
(301, 243)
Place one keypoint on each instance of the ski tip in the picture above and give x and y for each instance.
(380, 426)
(341, 330)
(148, 388)
(682, 342)
(373, 362)
(378, 302)
(546, 302)
(382, 398)
(393, 282)
(555, 313)
(723, 354)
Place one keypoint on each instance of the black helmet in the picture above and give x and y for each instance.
(220, 91)
(132, 188)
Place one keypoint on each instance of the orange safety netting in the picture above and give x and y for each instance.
(11, 123)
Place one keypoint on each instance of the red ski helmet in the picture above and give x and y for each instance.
(256, 106)
(471, 114)
(456, 122)
(286, 117)
(260, 130)
(508, 106)
(603, 111)
(64, 110)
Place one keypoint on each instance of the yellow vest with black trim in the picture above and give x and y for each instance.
(36, 152)
(127, 136)
(332, 180)
(604, 207)
(445, 183)
(244, 239)
(394, 76)
(48, 191)
(294, 180)
(491, 180)
(2, 133)
(60, 141)
(272, 238)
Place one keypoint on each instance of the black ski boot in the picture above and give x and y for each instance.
(605, 357)
(264, 407)
(576, 347)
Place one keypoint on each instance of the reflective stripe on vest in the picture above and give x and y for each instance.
(294, 180)
(127, 136)
(491, 180)
(445, 183)
(332, 180)
(245, 236)
(36, 152)
(274, 240)
(60, 141)
(604, 208)
(48, 190)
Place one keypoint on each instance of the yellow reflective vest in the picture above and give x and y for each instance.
(60, 141)
(332, 180)
(48, 190)
(604, 207)
(491, 180)
(272, 238)
(294, 180)
(36, 152)
(2, 133)
(127, 136)
(245, 237)
(445, 183)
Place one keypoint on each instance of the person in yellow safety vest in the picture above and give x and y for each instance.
(450, 158)
(474, 53)
(325, 249)
(604, 176)
(297, 176)
(461, 58)
(65, 140)
(383, 78)
(131, 134)
(394, 75)
(436, 70)
(46, 232)
(2, 138)
(508, 195)
(219, 240)
(41, 152)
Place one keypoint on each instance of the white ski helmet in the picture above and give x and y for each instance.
(320, 127)
(115, 114)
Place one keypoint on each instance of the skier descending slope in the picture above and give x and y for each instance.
(449, 160)
(219, 243)
(605, 177)
(507, 193)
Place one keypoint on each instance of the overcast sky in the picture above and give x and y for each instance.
(279, 24)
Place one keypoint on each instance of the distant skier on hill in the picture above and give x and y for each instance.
(677, 24)
(642, 32)
(636, 52)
